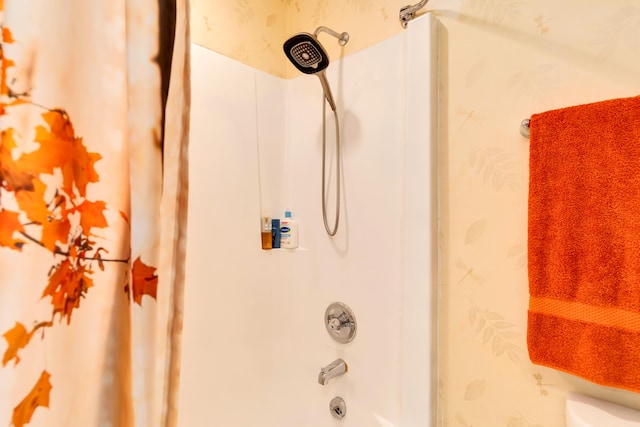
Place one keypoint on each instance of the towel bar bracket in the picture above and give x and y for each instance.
(524, 128)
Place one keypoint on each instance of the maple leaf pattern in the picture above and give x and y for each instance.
(5, 63)
(38, 396)
(32, 202)
(13, 175)
(67, 285)
(9, 225)
(49, 208)
(91, 215)
(7, 37)
(143, 281)
(61, 149)
(17, 338)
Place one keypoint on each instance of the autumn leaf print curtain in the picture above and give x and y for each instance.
(94, 100)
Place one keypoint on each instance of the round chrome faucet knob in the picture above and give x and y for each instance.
(340, 322)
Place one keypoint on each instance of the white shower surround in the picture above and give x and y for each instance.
(254, 338)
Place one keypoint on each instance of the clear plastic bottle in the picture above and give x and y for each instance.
(266, 231)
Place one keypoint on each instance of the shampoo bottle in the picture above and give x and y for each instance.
(288, 232)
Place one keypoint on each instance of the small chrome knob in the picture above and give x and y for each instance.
(337, 407)
(335, 324)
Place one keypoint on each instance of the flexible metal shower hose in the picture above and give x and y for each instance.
(330, 232)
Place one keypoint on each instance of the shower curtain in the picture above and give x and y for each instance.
(94, 100)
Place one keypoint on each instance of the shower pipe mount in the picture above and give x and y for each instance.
(408, 12)
(343, 38)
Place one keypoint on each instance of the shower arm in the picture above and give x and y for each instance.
(408, 12)
(342, 38)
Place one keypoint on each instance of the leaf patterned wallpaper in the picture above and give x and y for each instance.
(500, 62)
(253, 31)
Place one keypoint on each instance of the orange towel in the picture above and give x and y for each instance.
(584, 242)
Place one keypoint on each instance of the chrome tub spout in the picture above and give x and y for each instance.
(334, 369)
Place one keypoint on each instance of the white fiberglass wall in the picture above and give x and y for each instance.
(254, 338)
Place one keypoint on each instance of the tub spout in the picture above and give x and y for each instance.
(334, 369)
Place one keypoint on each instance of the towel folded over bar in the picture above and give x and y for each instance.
(584, 242)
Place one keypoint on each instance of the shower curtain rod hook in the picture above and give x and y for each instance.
(343, 38)
(408, 12)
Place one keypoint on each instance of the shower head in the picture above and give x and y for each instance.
(307, 54)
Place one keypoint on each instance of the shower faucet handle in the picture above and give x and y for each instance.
(340, 322)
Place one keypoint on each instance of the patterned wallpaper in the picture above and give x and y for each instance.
(504, 60)
(501, 61)
(253, 31)
(248, 31)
